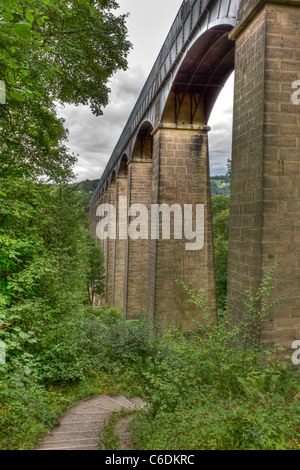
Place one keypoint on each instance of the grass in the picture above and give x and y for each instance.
(199, 417)
(208, 390)
(110, 440)
(219, 424)
(24, 424)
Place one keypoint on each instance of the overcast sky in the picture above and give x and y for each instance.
(94, 138)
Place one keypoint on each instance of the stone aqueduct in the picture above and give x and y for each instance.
(162, 157)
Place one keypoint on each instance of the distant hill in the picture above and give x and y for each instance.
(220, 185)
(86, 186)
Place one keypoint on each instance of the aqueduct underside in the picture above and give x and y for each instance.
(162, 158)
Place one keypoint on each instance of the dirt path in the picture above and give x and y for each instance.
(122, 430)
(81, 426)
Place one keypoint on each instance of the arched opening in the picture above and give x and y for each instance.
(120, 244)
(105, 187)
(200, 78)
(220, 136)
(113, 179)
(143, 147)
(123, 170)
(199, 88)
(138, 244)
(220, 145)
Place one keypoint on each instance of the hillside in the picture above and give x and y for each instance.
(220, 185)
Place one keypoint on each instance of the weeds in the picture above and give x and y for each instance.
(219, 387)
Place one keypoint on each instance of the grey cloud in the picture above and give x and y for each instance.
(94, 138)
(218, 162)
(220, 137)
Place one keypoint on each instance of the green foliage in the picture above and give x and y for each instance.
(50, 53)
(220, 185)
(220, 209)
(110, 439)
(96, 272)
(220, 388)
(214, 389)
(45, 267)
(87, 186)
(259, 306)
(217, 190)
(113, 340)
(27, 411)
(216, 423)
(220, 204)
(53, 52)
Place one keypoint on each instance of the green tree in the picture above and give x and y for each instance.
(219, 190)
(87, 186)
(47, 259)
(50, 52)
(53, 52)
(219, 204)
(96, 272)
(220, 209)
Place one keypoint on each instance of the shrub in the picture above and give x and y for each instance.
(220, 387)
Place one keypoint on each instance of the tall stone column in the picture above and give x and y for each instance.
(265, 200)
(137, 251)
(110, 251)
(100, 200)
(120, 247)
(105, 248)
(181, 176)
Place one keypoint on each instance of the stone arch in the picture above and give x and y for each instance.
(123, 169)
(200, 76)
(112, 178)
(105, 186)
(143, 147)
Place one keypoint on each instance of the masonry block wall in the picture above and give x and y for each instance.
(110, 250)
(120, 248)
(93, 230)
(265, 201)
(93, 220)
(105, 248)
(136, 291)
(181, 176)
